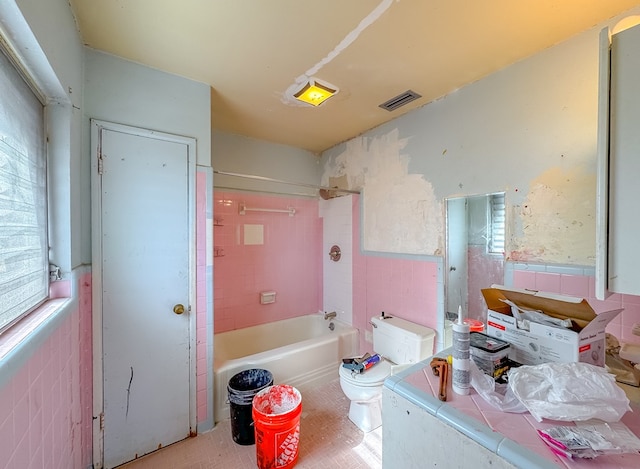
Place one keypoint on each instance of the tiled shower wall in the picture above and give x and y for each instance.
(579, 282)
(204, 298)
(293, 261)
(265, 251)
(337, 282)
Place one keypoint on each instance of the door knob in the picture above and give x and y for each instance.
(178, 309)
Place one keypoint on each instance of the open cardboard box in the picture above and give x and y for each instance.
(584, 342)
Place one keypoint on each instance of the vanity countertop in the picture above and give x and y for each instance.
(486, 425)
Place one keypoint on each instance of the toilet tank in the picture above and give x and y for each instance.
(400, 341)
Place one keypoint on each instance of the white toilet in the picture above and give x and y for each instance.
(401, 344)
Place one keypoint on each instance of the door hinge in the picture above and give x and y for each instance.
(100, 164)
(102, 421)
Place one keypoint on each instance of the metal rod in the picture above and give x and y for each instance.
(243, 208)
(300, 194)
(280, 181)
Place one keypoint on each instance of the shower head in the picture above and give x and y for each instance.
(327, 194)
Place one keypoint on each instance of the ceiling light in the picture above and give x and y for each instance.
(315, 92)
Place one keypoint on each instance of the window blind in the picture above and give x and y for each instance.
(498, 227)
(23, 203)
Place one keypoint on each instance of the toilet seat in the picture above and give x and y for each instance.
(374, 376)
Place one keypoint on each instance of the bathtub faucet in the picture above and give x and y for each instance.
(330, 315)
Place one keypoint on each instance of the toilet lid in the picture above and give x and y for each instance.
(371, 377)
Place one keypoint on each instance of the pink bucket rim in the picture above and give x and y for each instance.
(268, 389)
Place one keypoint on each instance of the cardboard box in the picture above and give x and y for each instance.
(584, 342)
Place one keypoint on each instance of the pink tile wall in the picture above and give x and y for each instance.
(484, 270)
(289, 262)
(201, 297)
(405, 288)
(45, 410)
(85, 341)
(584, 286)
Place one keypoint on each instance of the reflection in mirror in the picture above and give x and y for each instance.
(474, 258)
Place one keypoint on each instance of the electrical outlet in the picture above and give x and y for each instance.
(368, 337)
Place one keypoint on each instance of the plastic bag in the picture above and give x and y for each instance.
(499, 396)
(568, 392)
(526, 316)
(590, 439)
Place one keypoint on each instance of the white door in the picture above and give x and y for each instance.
(457, 249)
(145, 251)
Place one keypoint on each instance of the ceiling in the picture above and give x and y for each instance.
(255, 53)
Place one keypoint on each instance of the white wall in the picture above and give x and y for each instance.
(337, 277)
(124, 92)
(244, 155)
(529, 130)
(54, 56)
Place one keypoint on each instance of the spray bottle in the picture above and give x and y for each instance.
(461, 360)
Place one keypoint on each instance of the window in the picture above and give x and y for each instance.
(24, 276)
(497, 212)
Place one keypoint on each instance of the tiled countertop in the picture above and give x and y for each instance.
(485, 424)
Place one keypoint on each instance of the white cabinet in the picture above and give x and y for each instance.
(618, 250)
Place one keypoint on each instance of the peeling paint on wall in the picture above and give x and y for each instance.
(556, 223)
(401, 213)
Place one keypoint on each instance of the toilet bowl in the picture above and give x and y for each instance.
(401, 344)
(365, 392)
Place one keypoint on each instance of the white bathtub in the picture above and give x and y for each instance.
(300, 352)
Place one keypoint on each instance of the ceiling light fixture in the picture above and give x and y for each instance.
(315, 92)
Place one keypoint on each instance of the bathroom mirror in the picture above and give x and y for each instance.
(474, 257)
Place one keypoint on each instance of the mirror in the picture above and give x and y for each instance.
(474, 257)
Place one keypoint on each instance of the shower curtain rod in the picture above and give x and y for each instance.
(280, 181)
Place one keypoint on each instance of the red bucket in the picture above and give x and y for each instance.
(276, 416)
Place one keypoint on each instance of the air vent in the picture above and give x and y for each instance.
(400, 100)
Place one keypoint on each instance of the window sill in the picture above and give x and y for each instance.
(21, 334)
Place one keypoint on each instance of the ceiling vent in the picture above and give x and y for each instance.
(400, 100)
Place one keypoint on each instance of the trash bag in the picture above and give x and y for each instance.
(568, 392)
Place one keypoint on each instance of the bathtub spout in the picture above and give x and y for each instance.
(330, 315)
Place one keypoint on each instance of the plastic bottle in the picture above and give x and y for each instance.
(461, 380)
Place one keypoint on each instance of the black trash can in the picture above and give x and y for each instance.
(242, 388)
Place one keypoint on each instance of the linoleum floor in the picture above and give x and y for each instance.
(328, 440)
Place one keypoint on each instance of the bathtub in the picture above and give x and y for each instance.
(301, 352)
